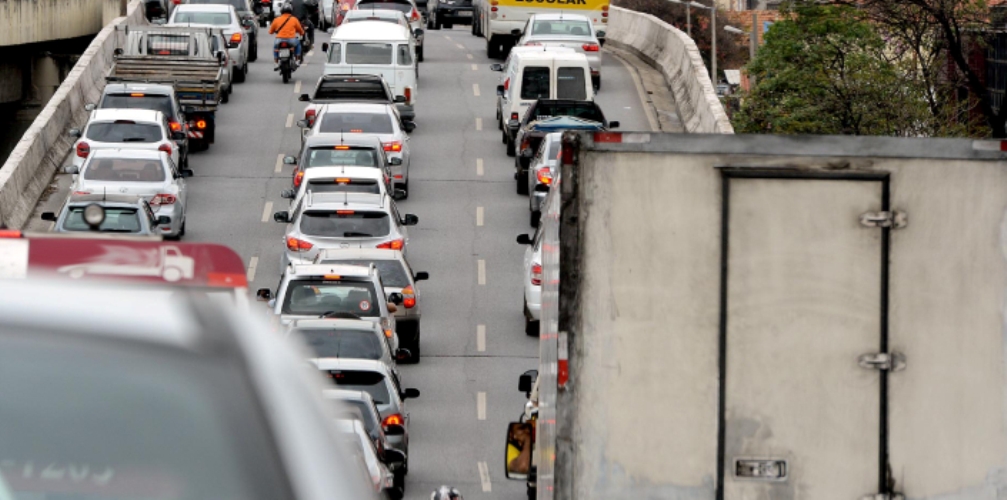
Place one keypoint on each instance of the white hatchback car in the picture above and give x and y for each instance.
(220, 16)
(532, 281)
(126, 129)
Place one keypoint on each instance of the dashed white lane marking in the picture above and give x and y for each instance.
(279, 163)
(469, 56)
(310, 53)
(460, 46)
(448, 37)
(475, 89)
(252, 264)
(481, 405)
(290, 120)
(481, 338)
(297, 87)
(479, 121)
(482, 271)
(484, 476)
(266, 210)
(479, 167)
(479, 216)
(475, 67)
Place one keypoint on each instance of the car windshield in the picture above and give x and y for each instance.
(212, 18)
(369, 53)
(340, 185)
(345, 223)
(372, 383)
(117, 220)
(90, 418)
(393, 273)
(123, 131)
(561, 28)
(351, 90)
(239, 5)
(401, 6)
(587, 111)
(316, 297)
(330, 157)
(124, 170)
(356, 123)
(138, 100)
(342, 343)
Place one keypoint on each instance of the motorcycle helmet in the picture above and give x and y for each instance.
(446, 493)
(286, 8)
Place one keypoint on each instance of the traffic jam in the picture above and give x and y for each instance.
(119, 411)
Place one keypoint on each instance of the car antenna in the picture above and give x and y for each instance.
(346, 198)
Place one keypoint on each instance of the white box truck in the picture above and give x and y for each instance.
(771, 317)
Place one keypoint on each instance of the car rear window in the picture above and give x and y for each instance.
(535, 83)
(345, 223)
(168, 45)
(393, 273)
(562, 28)
(117, 220)
(587, 111)
(138, 100)
(315, 297)
(333, 343)
(571, 83)
(352, 90)
(212, 18)
(357, 123)
(239, 5)
(401, 6)
(123, 131)
(331, 157)
(372, 383)
(554, 148)
(124, 170)
(340, 185)
(369, 53)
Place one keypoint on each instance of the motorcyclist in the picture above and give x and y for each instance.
(306, 11)
(287, 29)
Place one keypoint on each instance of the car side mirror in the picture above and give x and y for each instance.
(289, 160)
(117, 52)
(526, 381)
(325, 47)
(302, 123)
(417, 32)
(185, 173)
(74, 132)
(90, 106)
(178, 136)
(282, 216)
(399, 194)
(421, 276)
(49, 216)
(304, 98)
(411, 394)
(72, 169)
(524, 239)
(496, 67)
(400, 98)
(410, 220)
(516, 33)
(519, 449)
(402, 355)
(163, 220)
(408, 127)
(613, 124)
(500, 90)
(287, 194)
(395, 161)
(263, 294)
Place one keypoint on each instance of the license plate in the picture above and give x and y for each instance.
(284, 52)
(465, 13)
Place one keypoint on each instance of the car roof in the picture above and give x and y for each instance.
(203, 7)
(134, 114)
(354, 107)
(328, 324)
(301, 270)
(367, 365)
(371, 30)
(140, 154)
(559, 16)
(365, 12)
(338, 138)
(337, 254)
(345, 77)
(345, 201)
(343, 171)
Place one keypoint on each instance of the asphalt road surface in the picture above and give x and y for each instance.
(468, 379)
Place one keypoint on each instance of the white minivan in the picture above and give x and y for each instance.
(375, 48)
(540, 74)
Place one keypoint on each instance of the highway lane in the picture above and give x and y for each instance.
(455, 439)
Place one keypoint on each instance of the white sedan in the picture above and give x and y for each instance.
(142, 129)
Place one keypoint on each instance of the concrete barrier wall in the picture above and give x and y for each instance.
(41, 151)
(677, 57)
(32, 21)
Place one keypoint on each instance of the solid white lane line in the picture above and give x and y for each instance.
(481, 338)
(475, 68)
(479, 167)
(252, 264)
(460, 46)
(279, 163)
(479, 121)
(469, 56)
(475, 89)
(479, 216)
(484, 476)
(290, 120)
(266, 211)
(481, 405)
(482, 271)
(297, 87)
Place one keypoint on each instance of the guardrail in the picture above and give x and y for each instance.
(675, 54)
(41, 151)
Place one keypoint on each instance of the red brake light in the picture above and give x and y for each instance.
(294, 244)
(544, 175)
(310, 115)
(393, 147)
(342, 180)
(414, 15)
(345, 212)
(83, 149)
(163, 199)
(525, 144)
(408, 297)
(342, 148)
(507, 83)
(298, 177)
(493, 9)
(165, 147)
(409, 94)
(513, 116)
(393, 419)
(236, 38)
(536, 274)
(590, 47)
(393, 245)
(174, 125)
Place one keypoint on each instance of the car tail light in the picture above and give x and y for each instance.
(235, 39)
(165, 147)
(283, 45)
(393, 419)
(176, 2)
(536, 274)
(493, 9)
(414, 15)
(507, 83)
(525, 143)
(344, 6)
(544, 175)
(298, 177)
(392, 147)
(83, 149)
(201, 124)
(10, 233)
(409, 94)
(310, 116)
(393, 245)
(409, 297)
(163, 199)
(294, 244)
(590, 47)
(174, 125)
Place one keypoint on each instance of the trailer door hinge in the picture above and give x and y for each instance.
(890, 362)
(893, 219)
(883, 496)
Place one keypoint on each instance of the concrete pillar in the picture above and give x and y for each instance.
(11, 82)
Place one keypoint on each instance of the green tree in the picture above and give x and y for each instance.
(824, 70)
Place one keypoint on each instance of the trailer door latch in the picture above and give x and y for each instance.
(890, 362)
(893, 219)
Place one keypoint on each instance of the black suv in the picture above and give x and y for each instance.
(447, 13)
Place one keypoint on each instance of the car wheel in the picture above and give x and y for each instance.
(531, 327)
(240, 75)
(449, 26)
(437, 21)
(503, 135)
(419, 57)
(474, 26)
(492, 48)
(430, 21)
(522, 181)
(181, 231)
(536, 216)
(510, 146)
(253, 55)
(225, 95)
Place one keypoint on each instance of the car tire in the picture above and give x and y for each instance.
(181, 231)
(492, 48)
(240, 76)
(531, 326)
(521, 177)
(253, 55)
(430, 21)
(437, 21)
(510, 146)
(225, 95)
(449, 26)
(474, 25)
(503, 135)
(536, 216)
(419, 58)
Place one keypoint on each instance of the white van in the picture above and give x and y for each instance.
(375, 48)
(541, 74)
(507, 68)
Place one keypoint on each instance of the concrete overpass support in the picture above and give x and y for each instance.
(32, 21)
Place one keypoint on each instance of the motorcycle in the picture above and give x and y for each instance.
(308, 38)
(264, 10)
(287, 62)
